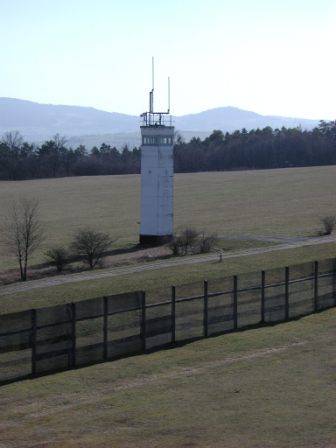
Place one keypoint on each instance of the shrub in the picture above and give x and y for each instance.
(58, 257)
(183, 242)
(90, 245)
(192, 241)
(328, 223)
(206, 242)
(176, 245)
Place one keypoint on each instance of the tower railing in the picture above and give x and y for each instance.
(156, 119)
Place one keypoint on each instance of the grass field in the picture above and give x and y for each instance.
(157, 284)
(271, 387)
(271, 202)
(286, 202)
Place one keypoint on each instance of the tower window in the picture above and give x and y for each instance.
(157, 140)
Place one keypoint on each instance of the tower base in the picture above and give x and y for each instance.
(155, 240)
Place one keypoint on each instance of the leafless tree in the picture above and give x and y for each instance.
(191, 241)
(23, 231)
(58, 257)
(91, 245)
(183, 242)
(206, 242)
(12, 139)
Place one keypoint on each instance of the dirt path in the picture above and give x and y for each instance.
(161, 264)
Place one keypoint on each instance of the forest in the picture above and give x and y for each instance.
(255, 149)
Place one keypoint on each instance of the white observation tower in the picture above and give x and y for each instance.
(157, 173)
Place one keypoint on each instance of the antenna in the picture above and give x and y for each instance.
(168, 94)
(151, 93)
(151, 117)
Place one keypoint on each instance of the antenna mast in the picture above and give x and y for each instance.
(168, 95)
(151, 93)
(152, 118)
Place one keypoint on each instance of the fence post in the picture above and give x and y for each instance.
(287, 293)
(73, 335)
(173, 315)
(33, 341)
(235, 302)
(205, 309)
(262, 307)
(334, 281)
(105, 328)
(316, 286)
(143, 321)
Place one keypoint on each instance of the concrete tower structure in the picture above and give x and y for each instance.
(157, 174)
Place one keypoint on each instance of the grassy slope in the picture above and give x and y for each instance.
(270, 387)
(270, 202)
(158, 283)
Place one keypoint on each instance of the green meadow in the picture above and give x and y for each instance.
(270, 387)
(283, 202)
(267, 387)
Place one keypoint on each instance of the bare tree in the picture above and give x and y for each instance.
(12, 140)
(23, 232)
(183, 242)
(191, 241)
(206, 242)
(91, 245)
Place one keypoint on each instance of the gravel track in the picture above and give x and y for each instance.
(291, 243)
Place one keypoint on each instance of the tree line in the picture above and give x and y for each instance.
(22, 160)
(258, 149)
(242, 149)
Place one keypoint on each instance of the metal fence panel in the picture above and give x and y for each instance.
(249, 299)
(15, 345)
(159, 325)
(220, 306)
(64, 336)
(275, 290)
(89, 309)
(15, 322)
(158, 295)
(89, 340)
(189, 319)
(189, 290)
(15, 365)
(131, 345)
(53, 315)
(53, 339)
(124, 325)
(301, 289)
(124, 302)
(53, 363)
(326, 284)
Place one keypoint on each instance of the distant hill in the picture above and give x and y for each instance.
(40, 121)
(231, 118)
(89, 126)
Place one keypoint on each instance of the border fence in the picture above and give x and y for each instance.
(45, 340)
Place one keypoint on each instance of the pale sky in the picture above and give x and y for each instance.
(274, 57)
